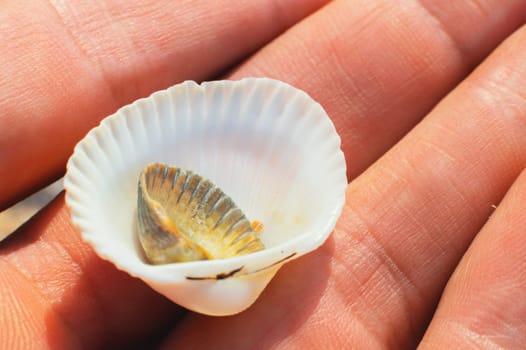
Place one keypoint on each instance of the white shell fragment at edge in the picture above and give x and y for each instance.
(266, 144)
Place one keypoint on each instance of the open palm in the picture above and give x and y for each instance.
(434, 132)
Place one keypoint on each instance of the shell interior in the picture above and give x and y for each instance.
(185, 217)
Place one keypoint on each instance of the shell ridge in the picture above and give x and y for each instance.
(153, 178)
(232, 227)
(242, 235)
(141, 126)
(126, 122)
(78, 177)
(233, 216)
(175, 177)
(183, 187)
(165, 175)
(212, 209)
(196, 188)
(156, 104)
(247, 247)
(197, 205)
(223, 217)
(206, 195)
(117, 140)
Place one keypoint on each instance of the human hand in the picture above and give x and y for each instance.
(414, 231)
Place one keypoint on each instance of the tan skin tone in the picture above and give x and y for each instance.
(434, 132)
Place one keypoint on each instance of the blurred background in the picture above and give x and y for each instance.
(12, 218)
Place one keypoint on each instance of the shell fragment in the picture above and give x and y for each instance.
(184, 217)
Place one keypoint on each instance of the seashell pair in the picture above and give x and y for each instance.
(165, 188)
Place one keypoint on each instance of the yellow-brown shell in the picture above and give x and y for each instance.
(185, 217)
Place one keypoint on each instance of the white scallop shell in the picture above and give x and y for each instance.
(268, 145)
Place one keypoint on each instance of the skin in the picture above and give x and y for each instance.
(428, 97)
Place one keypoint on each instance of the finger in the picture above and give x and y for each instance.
(56, 293)
(419, 207)
(363, 288)
(378, 67)
(65, 65)
(484, 304)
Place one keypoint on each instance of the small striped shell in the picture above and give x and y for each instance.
(185, 217)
